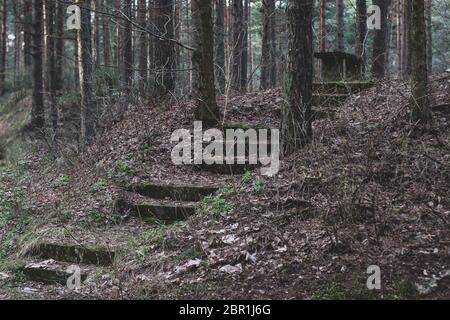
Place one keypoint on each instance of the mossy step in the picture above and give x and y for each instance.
(73, 253)
(51, 272)
(228, 169)
(174, 192)
(163, 211)
(341, 87)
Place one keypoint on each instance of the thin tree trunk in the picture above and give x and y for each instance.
(420, 111)
(86, 74)
(268, 74)
(3, 45)
(429, 28)
(237, 44)
(361, 28)
(59, 45)
(340, 25)
(389, 47)
(143, 49)
(27, 12)
(379, 43)
(400, 30)
(165, 51)
(203, 60)
(220, 44)
(127, 50)
(323, 26)
(407, 10)
(37, 111)
(17, 40)
(106, 38)
(51, 62)
(296, 127)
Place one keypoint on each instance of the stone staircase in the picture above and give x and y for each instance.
(49, 263)
(329, 96)
(164, 203)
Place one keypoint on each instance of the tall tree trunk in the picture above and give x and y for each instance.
(361, 28)
(203, 60)
(37, 110)
(237, 44)
(340, 25)
(407, 11)
(244, 60)
(106, 39)
(127, 49)
(389, 47)
(323, 26)
(220, 44)
(143, 46)
(420, 111)
(268, 54)
(51, 61)
(400, 30)
(17, 40)
(86, 74)
(3, 45)
(379, 42)
(27, 12)
(296, 127)
(118, 40)
(59, 45)
(429, 28)
(165, 51)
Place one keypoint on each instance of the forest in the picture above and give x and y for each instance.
(224, 149)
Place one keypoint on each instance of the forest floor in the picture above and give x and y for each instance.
(372, 189)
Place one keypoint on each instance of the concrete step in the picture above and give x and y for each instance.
(174, 192)
(163, 211)
(341, 87)
(73, 253)
(228, 169)
(329, 100)
(51, 272)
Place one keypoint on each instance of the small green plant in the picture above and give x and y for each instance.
(259, 185)
(216, 206)
(122, 169)
(60, 182)
(100, 185)
(247, 178)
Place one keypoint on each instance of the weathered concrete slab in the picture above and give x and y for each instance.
(162, 211)
(73, 253)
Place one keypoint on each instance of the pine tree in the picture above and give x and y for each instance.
(296, 127)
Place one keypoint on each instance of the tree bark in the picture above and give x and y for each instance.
(340, 25)
(220, 44)
(406, 41)
(86, 74)
(127, 50)
(237, 45)
(420, 111)
(429, 28)
(51, 62)
(59, 45)
(27, 12)
(361, 28)
(106, 39)
(3, 45)
(203, 61)
(268, 54)
(296, 127)
(379, 42)
(143, 46)
(165, 50)
(323, 26)
(37, 111)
